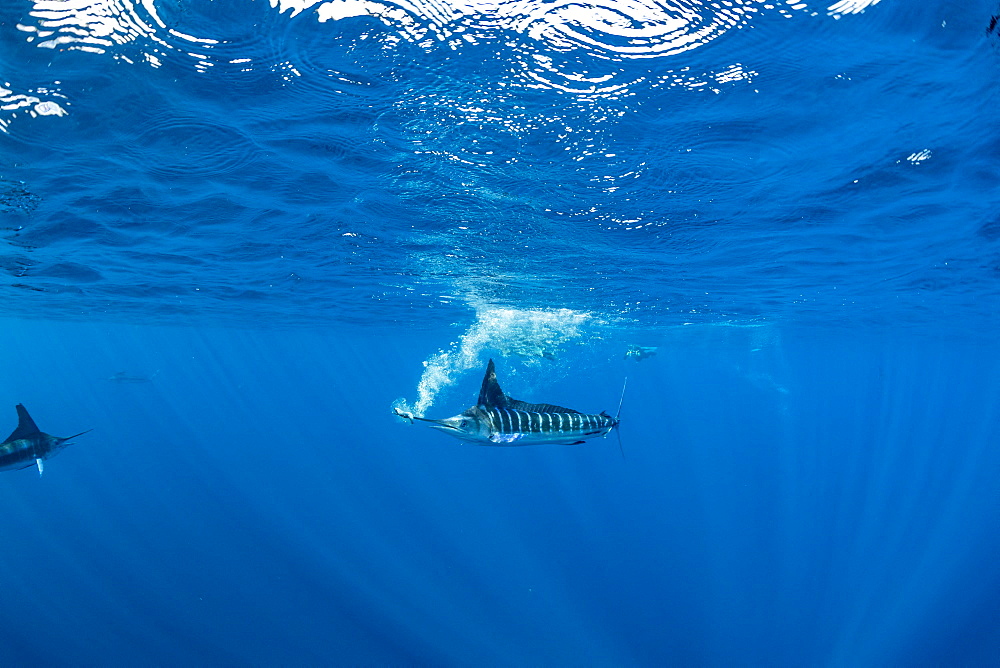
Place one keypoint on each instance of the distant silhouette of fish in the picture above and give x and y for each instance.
(29, 446)
(497, 419)
(123, 377)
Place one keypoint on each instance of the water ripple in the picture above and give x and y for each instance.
(629, 28)
(570, 45)
(175, 146)
(100, 26)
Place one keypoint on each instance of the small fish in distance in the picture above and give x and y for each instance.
(28, 446)
(499, 420)
(123, 377)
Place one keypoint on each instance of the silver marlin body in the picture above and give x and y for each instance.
(499, 420)
(28, 446)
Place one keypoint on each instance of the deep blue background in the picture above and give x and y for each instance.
(788, 498)
(285, 228)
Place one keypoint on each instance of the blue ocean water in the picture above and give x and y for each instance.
(236, 234)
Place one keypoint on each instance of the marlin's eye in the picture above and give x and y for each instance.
(465, 423)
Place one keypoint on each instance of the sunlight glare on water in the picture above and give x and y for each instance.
(548, 39)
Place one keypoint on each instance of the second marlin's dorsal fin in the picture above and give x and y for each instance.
(25, 425)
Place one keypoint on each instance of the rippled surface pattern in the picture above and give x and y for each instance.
(362, 160)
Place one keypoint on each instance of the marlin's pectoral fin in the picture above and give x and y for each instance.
(506, 438)
(41, 466)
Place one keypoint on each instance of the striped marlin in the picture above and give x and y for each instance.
(497, 419)
(29, 446)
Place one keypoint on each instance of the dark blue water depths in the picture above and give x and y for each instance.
(788, 498)
(235, 235)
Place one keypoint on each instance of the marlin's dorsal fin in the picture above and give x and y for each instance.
(492, 396)
(490, 393)
(25, 425)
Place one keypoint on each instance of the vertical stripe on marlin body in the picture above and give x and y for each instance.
(498, 419)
